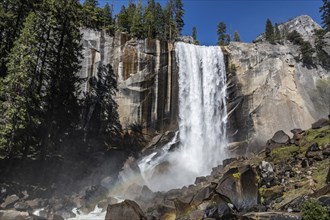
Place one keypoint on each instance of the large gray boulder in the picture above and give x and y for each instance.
(127, 210)
(239, 184)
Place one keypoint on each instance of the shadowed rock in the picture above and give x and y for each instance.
(240, 186)
(127, 210)
(320, 123)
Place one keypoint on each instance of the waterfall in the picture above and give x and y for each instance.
(203, 118)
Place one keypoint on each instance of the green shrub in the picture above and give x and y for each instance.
(312, 210)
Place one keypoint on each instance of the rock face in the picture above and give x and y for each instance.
(303, 24)
(147, 76)
(268, 90)
(272, 91)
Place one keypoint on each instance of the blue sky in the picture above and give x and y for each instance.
(248, 17)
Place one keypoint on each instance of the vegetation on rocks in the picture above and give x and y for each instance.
(313, 210)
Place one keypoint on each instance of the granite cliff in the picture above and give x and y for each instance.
(147, 77)
(269, 88)
(273, 90)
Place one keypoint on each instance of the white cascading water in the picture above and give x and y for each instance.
(202, 115)
(202, 127)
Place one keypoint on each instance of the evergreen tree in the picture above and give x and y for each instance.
(170, 26)
(91, 3)
(295, 37)
(194, 35)
(150, 19)
(322, 56)
(137, 23)
(92, 15)
(307, 53)
(122, 20)
(20, 108)
(237, 37)
(106, 89)
(61, 84)
(12, 16)
(179, 12)
(277, 33)
(107, 19)
(269, 31)
(325, 16)
(130, 14)
(159, 22)
(222, 36)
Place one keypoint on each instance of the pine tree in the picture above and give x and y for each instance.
(91, 3)
(130, 14)
(12, 16)
(122, 20)
(322, 56)
(277, 33)
(61, 84)
(227, 39)
(307, 53)
(107, 19)
(237, 37)
(150, 19)
(170, 26)
(159, 22)
(137, 23)
(179, 12)
(222, 36)
(325, 16)
(106, 90)
(194, 35)
(92, 15)
(269, 31)
(21, 104)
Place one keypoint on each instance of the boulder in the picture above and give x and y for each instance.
(218, 208)
(316, 155)
(296, 131)
(124, 211)
(320, 123)
(271, 194)
(105, 202)
(166, 212)
(271, 216)
(324, 200)
(280, 137)
(9, 201)
(228, 161)
(313, 147)
(17, 215)
(328, 177)
(37, 203)
(89, 197)
(240, 186)
(204, 194)
(22, 206)
(55, 217)
(267, 174)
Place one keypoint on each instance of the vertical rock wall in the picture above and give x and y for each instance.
(147, 77)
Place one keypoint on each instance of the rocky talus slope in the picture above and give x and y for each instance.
(273, 184)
